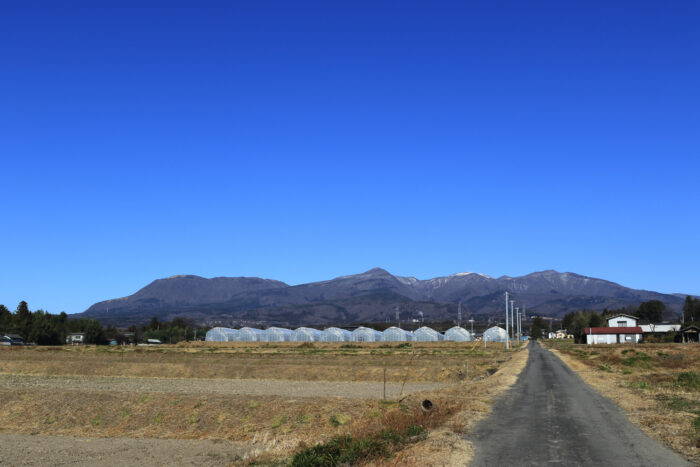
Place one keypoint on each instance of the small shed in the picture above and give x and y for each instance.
(335, 335)
(363, 334)
(251, 335)
(690, 334)
(458, 334)
(395, 334)
(303, 334)
(426, 334)
(495, 334)
(273, 334)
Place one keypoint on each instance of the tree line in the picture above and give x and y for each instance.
(44, 328)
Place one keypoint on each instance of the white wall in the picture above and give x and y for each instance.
(612, 338)
(616, 320)
(660, 327)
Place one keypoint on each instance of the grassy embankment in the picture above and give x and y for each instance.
(658, 386)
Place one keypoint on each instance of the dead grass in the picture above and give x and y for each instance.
(658, 386)
(275, 426)
(436, 362)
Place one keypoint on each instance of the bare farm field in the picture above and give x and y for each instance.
(243, 403)
(658, 386)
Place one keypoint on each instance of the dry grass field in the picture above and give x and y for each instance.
(658, 386)
(435, 362)
(271, 399)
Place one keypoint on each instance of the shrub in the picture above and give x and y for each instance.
(637, 358)
(689, 380)
(340, 450)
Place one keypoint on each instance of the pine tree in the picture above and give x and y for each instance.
(23, 319)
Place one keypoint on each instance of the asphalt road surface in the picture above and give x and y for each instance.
(551, 417)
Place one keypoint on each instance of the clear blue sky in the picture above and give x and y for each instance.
(301, 141)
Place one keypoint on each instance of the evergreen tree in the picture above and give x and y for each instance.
(5, 319)
(691, 310)
(536, 332)
(23, 319)
(568, 321)
(651, 311)
(595, 320)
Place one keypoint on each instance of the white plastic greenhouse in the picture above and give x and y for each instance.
(335, 335)
(363, 334)
(221, 335)
(426, 334)
(274, 334)
(251, 335)
(458, 334)
(306, 335)
(394, 334)
(495, 334)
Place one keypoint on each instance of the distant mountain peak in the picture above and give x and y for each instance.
(470, 274)
(377, 271)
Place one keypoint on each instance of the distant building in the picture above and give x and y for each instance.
(690, 334)
(11, 339)
(614, 335)
(663, 328)
(621, 329)
(75, 338)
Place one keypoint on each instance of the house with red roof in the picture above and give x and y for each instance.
(621, 329)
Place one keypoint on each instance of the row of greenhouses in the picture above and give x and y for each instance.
(361, 334)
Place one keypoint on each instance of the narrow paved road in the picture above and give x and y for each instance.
(552, 417)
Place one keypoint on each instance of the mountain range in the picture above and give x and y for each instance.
(372, 296)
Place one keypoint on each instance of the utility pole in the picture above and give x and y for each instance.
(512, 304)
(398, 318)
(459, 314)
(507, 334)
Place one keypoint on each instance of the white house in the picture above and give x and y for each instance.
(620, 329)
